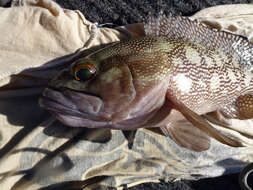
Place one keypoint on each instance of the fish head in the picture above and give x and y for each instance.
(120, 91)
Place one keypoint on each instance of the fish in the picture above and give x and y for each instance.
(175, 80)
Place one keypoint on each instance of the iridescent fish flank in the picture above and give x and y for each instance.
(175, 80)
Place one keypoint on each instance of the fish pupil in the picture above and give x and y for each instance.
(84, 74)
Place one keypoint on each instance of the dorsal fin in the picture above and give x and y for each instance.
(191, 31)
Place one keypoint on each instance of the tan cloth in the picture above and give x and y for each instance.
(237, 19)
(39, 34)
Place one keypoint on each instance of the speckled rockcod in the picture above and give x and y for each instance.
(179, 69)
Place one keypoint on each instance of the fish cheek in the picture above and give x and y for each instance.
(115, 87)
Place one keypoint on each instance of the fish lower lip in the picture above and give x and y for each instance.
(78, 121)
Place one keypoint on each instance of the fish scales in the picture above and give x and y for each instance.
(206, 75)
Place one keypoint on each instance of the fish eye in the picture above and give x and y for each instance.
(84, 72)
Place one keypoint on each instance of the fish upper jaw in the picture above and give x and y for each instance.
(73, 108)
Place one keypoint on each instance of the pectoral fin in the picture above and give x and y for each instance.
(185, 135)
(188, 136)
(202, 124)
(169, 122)
(217, 118)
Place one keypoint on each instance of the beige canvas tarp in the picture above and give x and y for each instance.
(37, 39)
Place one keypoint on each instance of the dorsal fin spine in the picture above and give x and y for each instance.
(183, 29)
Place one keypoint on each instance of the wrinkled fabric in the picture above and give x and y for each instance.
(39, 31)
(37, 39)
(237, 19)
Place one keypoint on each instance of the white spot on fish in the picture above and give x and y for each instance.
(248, 77)
(215, 82)
(209, 61)
(193, 56)
(238, 88)
(177, 61)
(202, 84)
(218, 60)
(183, 83)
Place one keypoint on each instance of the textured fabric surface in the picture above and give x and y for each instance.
(42, 33)
(238, 20)
(125, 12)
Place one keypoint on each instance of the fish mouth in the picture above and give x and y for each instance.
(72, 108)
(77, 109)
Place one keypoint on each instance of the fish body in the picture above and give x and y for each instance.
(207, 80)
(180, 69)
